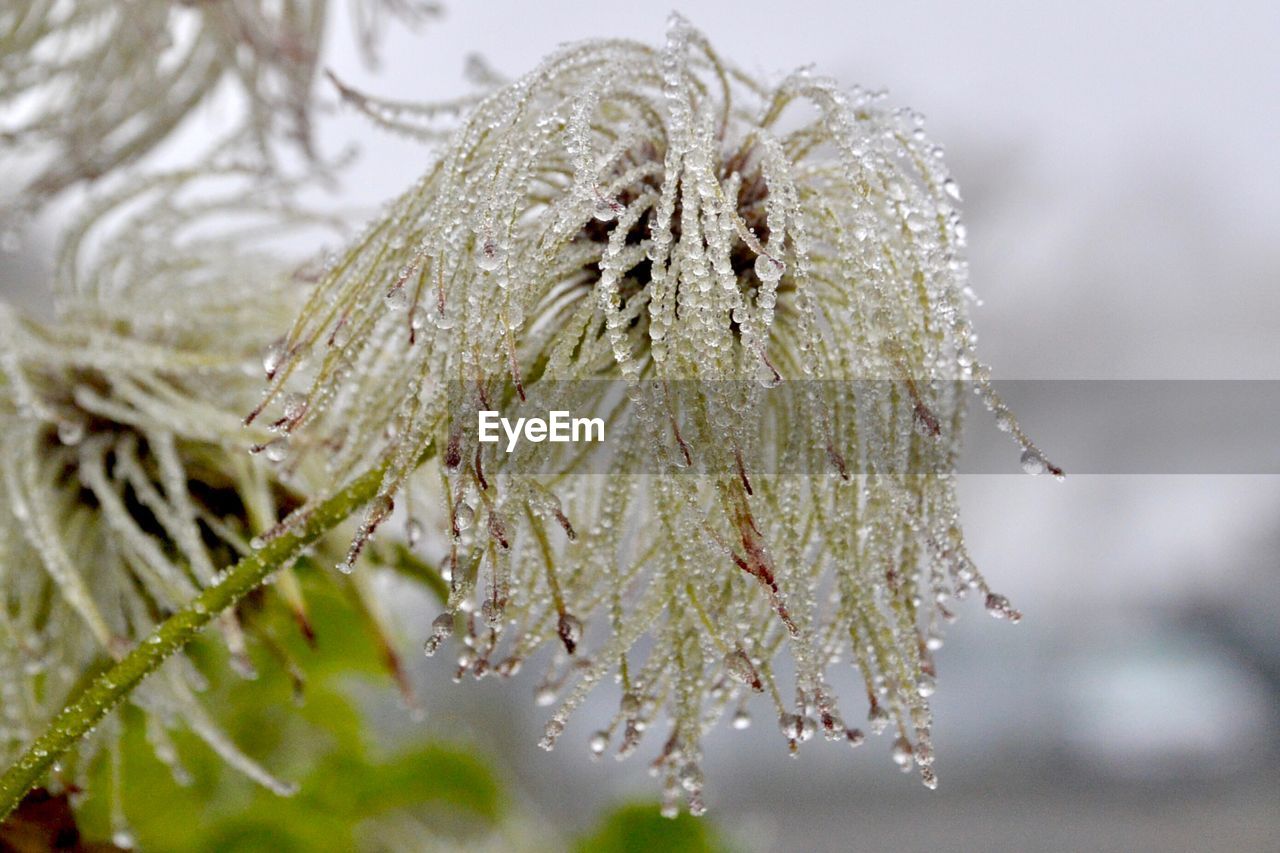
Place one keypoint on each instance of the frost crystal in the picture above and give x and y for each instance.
(656, 216)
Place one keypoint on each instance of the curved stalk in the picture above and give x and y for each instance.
(112, 686)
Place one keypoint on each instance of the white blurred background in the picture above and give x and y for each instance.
(1120, 165)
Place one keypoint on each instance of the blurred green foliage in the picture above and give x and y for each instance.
(313, 736)
(640, 828)
(311, 733)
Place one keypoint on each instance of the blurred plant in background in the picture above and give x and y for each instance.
(89, 86)
(127, 478)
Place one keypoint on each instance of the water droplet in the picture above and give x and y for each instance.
(808, 727)
(570, 631)
(691, 777)
(855, 737)
(767, 375)
(397, 298)
(464, 515)
(488, 258)
(276, 450)
(491, 613)
(413, 532)
(509, 667)
(929, 779)
(272, 357)
(441, 629)
(71, 432)
(1032, 462)
(418, 318)
(902, 753)
(123, 839)
(999, 608)
(598, 743)
(768, 269)
(741, 719)
(551, 733)
(295, 406)
(738, 665)
(877, 719)
(926, 684)
(951, 188)
(630, 705)
(790, 726)
(607, 209)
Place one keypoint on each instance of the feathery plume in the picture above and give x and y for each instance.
(93, 85)
(127, 480)
(659, 218)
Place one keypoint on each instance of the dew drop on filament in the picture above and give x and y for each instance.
(295, 406)
(739, 667)
(768, 269)
(71, 432)
(488, 258)
(276, 450)
(412, 532)
(902, 754)
(1000, 608)
(397, 298)
(878, 719)
(570, 631)
(272, 358)
(606, 209)
(441, 628)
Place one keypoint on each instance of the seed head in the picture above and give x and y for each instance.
(660, 218)
(126, 478)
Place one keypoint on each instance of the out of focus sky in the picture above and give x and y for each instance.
(1120, 164)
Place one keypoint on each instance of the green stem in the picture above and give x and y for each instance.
(112, 686)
